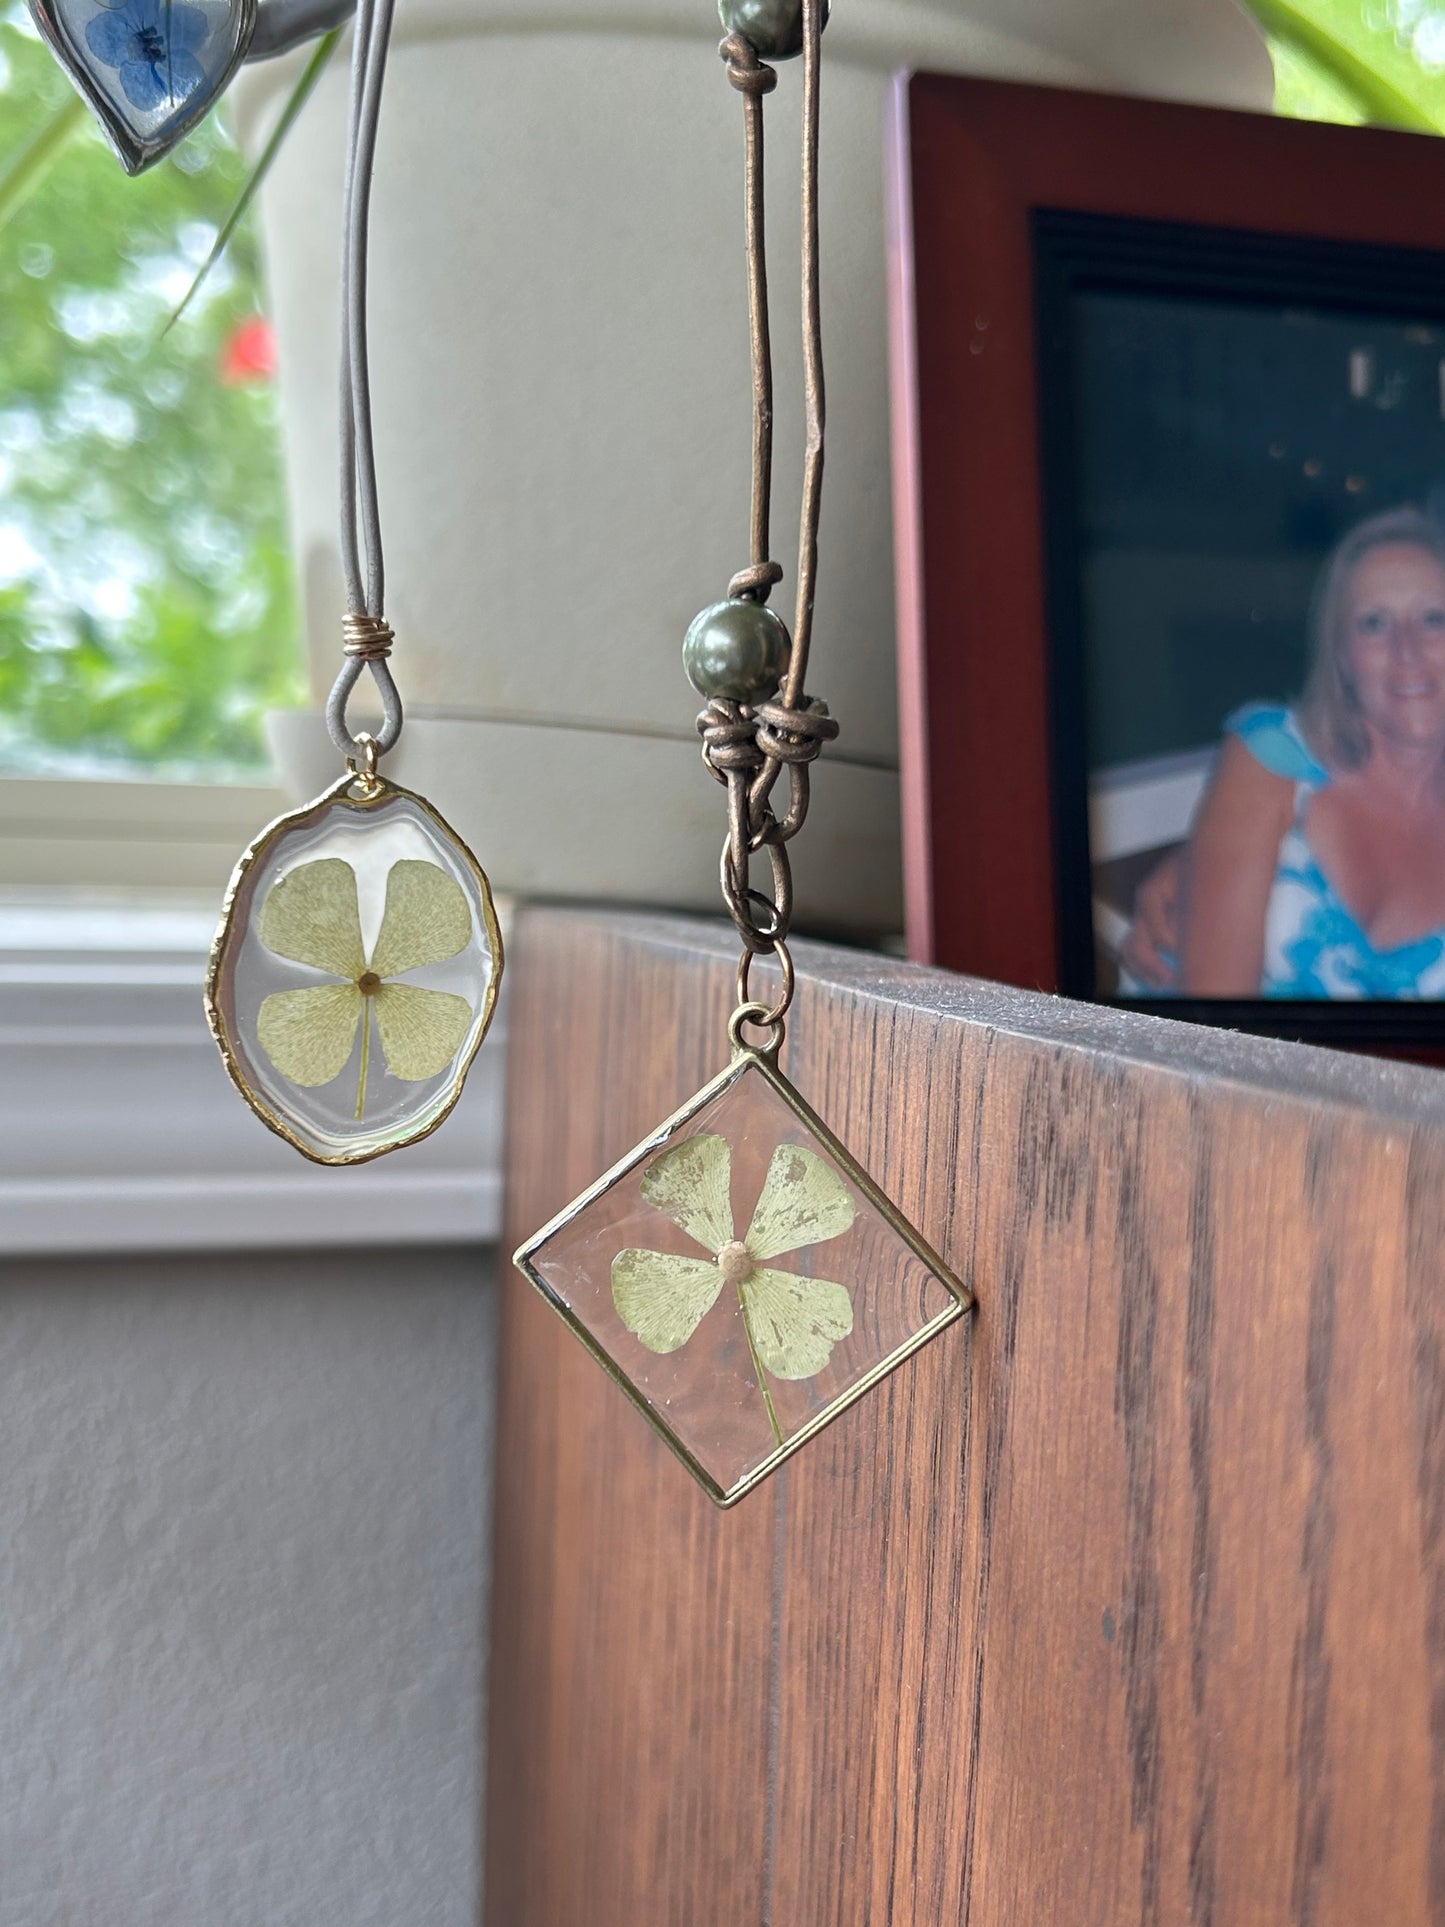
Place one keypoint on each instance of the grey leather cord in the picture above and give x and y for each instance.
(368, 637)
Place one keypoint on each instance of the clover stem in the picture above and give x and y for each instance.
(758, 1366)
(365, 1057)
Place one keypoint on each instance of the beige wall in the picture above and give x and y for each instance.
(244, 1550)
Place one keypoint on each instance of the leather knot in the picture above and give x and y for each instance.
(756, 581)
(794, 735)
(746, 71)
(729, 738)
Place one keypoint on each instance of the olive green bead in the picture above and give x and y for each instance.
(774, 27)
(736, 649)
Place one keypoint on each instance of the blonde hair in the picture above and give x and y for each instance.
(1330, 713)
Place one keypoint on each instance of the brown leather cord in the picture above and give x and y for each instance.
(814, 396)
(748, 747)
(753, 80)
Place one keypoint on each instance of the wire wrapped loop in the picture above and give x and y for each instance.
(756, 582)
(747, 71)
(368, 638)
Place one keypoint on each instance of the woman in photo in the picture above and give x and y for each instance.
(1315, 866)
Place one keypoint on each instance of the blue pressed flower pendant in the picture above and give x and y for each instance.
(355, 971)
(148, 69)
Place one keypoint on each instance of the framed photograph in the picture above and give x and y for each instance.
(1170, 482)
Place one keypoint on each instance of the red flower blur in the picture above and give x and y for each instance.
(250, 353)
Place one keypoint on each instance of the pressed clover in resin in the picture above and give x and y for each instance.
(355, 971)
(792, 1322)
(742, 1277)
(312, 917)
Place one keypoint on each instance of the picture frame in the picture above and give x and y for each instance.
(1032, 231)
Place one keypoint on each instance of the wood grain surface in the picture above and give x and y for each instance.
(1123, 1603)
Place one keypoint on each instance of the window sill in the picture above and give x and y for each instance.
(121, 1132)
(144, 836)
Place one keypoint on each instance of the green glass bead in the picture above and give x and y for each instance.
(736, 649)
(775, 27)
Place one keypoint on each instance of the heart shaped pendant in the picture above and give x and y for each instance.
(149, 69)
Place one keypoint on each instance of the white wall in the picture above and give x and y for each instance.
(244, 1546)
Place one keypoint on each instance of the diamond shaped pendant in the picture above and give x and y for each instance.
(148, 69)
(741, 1277)
(355, 971)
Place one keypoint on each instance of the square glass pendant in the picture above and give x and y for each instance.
(741, 1277)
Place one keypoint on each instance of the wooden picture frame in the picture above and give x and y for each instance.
(1004, 201)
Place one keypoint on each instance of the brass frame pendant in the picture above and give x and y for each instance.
(739, 1274)
(364, 911)
(731, 1330)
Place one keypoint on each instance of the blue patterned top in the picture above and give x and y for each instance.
(1313, 946)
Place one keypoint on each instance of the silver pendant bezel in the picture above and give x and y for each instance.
(136, 152)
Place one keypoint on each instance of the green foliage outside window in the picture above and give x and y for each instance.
(147, 615)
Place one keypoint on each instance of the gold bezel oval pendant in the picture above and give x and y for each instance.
(368, 918)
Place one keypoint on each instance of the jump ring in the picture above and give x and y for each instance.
(363, 759)
(362, 764)
(756, 1014)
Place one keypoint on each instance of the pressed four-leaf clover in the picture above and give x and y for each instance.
(792, 1322)
(311, 917)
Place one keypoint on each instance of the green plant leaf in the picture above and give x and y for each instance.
(1303, 90)
(300, 94)
(421, 1030)
(1359, 53)
(308, 1034)
(426, 919)
(311, 917)
(795, 1321)
(803, 1202)
(27, 168)
(662, 1297)
(692, 1184)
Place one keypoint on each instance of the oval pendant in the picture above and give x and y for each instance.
(354, 972)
